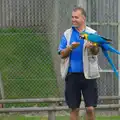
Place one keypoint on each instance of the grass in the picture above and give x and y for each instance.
(26, 64)
(57, 118)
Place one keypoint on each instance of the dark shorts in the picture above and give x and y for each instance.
(75, 84)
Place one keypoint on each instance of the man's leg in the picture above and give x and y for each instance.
(74, 114)
(73, 95)
(90, 114)
(90, 95)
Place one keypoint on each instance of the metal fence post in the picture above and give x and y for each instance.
(119, 50)
(1, 90)
(82, 3)
(51, 114)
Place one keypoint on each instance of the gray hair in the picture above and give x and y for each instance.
(81, 9)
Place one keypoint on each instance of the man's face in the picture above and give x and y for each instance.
(77, 18)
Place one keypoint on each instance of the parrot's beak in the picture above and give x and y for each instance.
(82, 36)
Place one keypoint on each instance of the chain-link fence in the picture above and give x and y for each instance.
(30, 31)
(29, 34)
(103, 16)
(27, 49)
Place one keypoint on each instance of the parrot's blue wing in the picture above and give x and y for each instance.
(109, 40)
(106, 39)
(100, 39)
(110, 61)
(108, 47)
(93, 37)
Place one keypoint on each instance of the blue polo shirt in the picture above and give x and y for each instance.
(76, 56)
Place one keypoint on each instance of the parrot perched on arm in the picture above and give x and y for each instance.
(105, 45)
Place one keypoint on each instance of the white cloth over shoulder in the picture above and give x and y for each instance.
(64, 65)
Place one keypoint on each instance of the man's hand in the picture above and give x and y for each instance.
(65, 53)
(89, 45)
(75, 45)
(94, 49)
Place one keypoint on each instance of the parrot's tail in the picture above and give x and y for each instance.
(110, 61)
(108, 47)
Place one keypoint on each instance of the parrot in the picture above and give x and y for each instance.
(95, 38)
(105, 45)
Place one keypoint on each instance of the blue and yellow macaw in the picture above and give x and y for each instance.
(105, 45)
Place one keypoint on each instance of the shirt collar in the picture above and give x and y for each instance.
(77, 31)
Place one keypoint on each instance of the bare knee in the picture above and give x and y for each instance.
(90, 110)
(90, 115)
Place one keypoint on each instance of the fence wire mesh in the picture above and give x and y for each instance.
(30, 31)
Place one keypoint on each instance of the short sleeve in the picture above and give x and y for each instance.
(63, 44)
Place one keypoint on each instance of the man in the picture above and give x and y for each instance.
(83, 67)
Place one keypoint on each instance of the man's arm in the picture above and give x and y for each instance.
(64, 50)
(65, 53)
